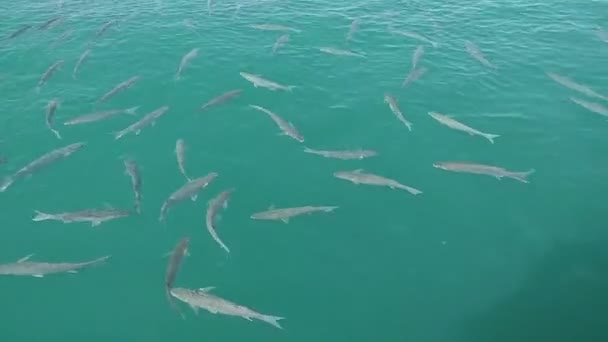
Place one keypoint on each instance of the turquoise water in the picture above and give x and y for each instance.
(471, 259)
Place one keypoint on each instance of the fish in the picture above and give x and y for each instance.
(18, 32)
(82, 58)
(413, 76)
(417, 55)
(481, 169)
(221, 99)
(476, 53)
(132, 170)
(122, 86)
(394, 106)
(180, 152)
(43, 161)
(280, 42)
(271, 27)
(417, 36)
(48, 24)
(148, 119)
(49, 72)
(284, 214)
(453, 124)
(94, 216)
(342, 154)
(258, 81)
(104, 28)
(51, 108)
(287, 128)
(339, 52)
(185, 60)
(591, 106)
(24, 267)
(201, 298)
(215, 205)
(360, 177)
(354, 27)
(188, 190)
(175, 262)
(98, 116)
(568, 83)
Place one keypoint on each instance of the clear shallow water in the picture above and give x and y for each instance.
(471, 259)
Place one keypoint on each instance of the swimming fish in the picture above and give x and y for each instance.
(342, 154)
(568, 83)
(188, 190)
(417, 55)
(122, 86)
(284, 214)
(271, 27)
(258, 81)
(287, 128)
(339, 52)
(354, 27)
(49, 72)
(360, 177)
(481, 169)
(175, 262)
(180, 152)
(413, 76)
(476, 53)
(132, 170)
(215, 205)
(280, 42)
(592, 106)
(98, 116)
(201, 298)
(394, 106)
(453, 124)
(104, 28)
(221, 99)
(148, 119)
(51, 108)
(23, 267)
(185, 60)
(82, 58)
(94, 216)
(18, 32)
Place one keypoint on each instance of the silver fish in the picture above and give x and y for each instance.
(132, 170)
(394, 106)
(185, 60)
(104, 28)
(23, 267)
(284, 214)
(413, 76)
(287, 128)
(148, 119)
(225, 97)
(217, 203)
(201, 298)
(271, 27)
(175, 262)
(280, 42)
(568, 83)
(188, 190)
(258, 81)
(481, 169)
(343, 154)
(98, 116)
(476, 53)
(38, 164)
(354, 27)
(51, 108)
(416, 36)
(82, 58)
(339, 52)
(49, 72)
(180, 153)
(95, 216)
(591, 106)
(122, 86)
(417, 55)
(453, 124)
(359, 177)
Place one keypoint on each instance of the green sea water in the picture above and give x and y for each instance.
(471, 259)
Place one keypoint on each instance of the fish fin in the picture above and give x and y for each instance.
(25, 258)
(193, 197)
(95, 223)
(522, 176)
(491, 137)
(138, 132)
(72, 271)
(132, 110)
(38, 275)
(40, 216)
(272, 320)
(206, 289)
(285, 220)
(248, 318)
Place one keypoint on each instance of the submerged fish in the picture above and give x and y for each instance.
(82, 58)
(287, 128)
(95, 216)
(23, 267)
(175, 262)
(180, 153)
(394, 106)
(271, 27)
(280, 42)
(476, 53)
(339, 52)
(49, 72)
(98, 116)
(415, 35)
(122, 86)
(417, 55)
(568, 83)
(132, 170)
(215, 205)
(51, 108)
(44, 160)
(201, 298)
(185, 60)
(225, 97)
(104, 28)
(453, 124)
(343, 154)
(359, 177)
(284, 214)
(188, 190)
(18, 32)
(481, 169)
(258, 81)
(413, 76)
(49, 23)
(148, 119)
(354, 27)
(592, 106)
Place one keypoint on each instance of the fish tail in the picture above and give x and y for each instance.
(330, 209)
(491, 137)
(56, 132)
(273, 320)
(308, 150)
(290, 88)
(40, 216)
(522, 176)
(409, 126)
(99, 260)
(8, 181)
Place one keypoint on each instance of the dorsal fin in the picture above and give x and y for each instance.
(206, 289)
